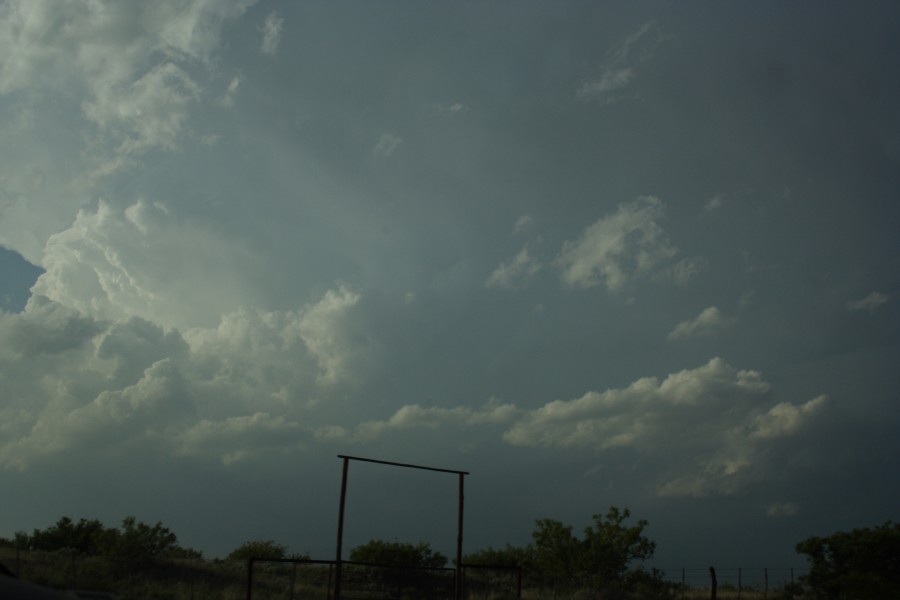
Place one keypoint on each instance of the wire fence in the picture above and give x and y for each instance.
(736, 582)
(289, 579)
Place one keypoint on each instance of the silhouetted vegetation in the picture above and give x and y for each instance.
(140, 560)
(858, 564)
(601, 561)
(258, 549)
(398, 554)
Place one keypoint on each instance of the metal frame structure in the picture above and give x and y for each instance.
(340, 532)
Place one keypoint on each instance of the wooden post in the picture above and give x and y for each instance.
(713, 583)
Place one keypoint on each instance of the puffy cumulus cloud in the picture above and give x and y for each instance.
(516, 273)
(786, 418)
(271, 30)
(706, 424)
(619, 66)
(709, 322)
(619, 248)
(869, 303)
(142, 261)
(154, 406)
(414, 416)
(76, 383)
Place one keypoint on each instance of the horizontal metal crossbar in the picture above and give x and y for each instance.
(397, 464)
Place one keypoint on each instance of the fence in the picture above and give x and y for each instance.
(314, 579)
(178, 579)
(735, 582)
(198, 579)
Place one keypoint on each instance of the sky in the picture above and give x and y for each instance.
(633, 254)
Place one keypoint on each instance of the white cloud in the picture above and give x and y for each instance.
(143, 261)
(869, 303)
(449, 110)
(74, 383)
(321, 330)
(150, 113)
(618, 248)
(618, 67)
(709, 322)
(414, 416)
(103, 84)
(272, 28)
(785, 419)
(514, 274)
(386, 146)
(686, 270)
(523, 225)
(227, 99)
(704, 424)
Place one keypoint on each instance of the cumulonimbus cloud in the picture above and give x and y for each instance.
(74, 382)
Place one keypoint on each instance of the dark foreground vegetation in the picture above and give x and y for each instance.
(138, 560)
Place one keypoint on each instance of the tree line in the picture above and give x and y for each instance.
(605, 559)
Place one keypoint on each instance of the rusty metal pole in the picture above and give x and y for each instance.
(340, 532)
(459, 539)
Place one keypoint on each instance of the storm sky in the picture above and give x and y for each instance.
(595, 254)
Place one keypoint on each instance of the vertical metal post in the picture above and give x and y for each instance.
(714, 584)
(459, 538)
(249, 578)
(340, 532)
(739, 583)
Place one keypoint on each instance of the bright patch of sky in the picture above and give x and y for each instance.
(594, 255)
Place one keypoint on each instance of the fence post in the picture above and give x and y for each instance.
(739, 583)
(713, 583)
(766, 578)
(249, 579)
(682, 583)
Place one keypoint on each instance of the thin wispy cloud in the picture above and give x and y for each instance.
(619, 66)
(271, 29)
(870, 303)
(515, 273)
(386, 146)
(709, 322)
